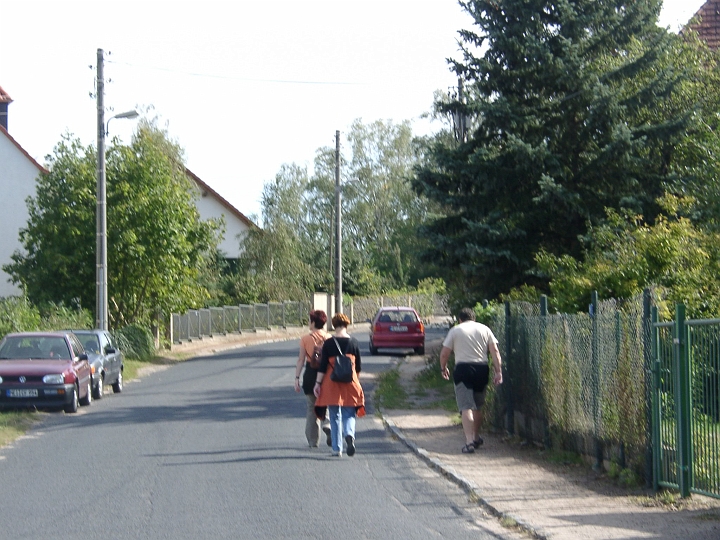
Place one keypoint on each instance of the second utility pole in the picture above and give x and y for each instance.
(338, 231)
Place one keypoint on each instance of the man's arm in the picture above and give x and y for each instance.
(497, 362)
(444, 357)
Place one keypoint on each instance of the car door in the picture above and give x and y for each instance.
(112, 356)
(81, 366)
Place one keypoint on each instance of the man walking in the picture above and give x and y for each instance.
(470, 341)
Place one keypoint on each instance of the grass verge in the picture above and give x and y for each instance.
(13, 424)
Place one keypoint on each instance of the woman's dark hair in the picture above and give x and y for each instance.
(318, 318)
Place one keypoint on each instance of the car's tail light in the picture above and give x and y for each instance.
(421, 328)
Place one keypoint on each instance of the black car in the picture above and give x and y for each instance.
(105, 359)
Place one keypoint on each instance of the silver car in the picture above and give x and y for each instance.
(105, 359)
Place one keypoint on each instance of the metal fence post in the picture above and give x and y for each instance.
(648, 357)
(595, 366)
(656, 415)
(507, 381)
(683, 399)
(543, 336)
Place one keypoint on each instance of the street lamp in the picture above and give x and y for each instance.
(101, 296)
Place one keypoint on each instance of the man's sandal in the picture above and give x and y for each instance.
(468, 448)
(477, 443)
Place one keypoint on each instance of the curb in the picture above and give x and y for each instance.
(469, 487)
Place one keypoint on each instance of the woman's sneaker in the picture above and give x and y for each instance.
(350, 440)
(327, 431)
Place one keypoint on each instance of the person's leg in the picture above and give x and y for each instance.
(335, 429)
(311, 423)
(479, 398)
(348, 419)
(469, 423)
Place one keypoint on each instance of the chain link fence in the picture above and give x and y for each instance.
(197, 323)
(576, 381)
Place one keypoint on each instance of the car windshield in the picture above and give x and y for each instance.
(29, 347)
(397, 316)
(91, 343)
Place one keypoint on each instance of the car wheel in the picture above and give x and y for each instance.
(87, 400)
(72, 407)
(99, 388)
(420, 350)
(118, 385)
(373, 350)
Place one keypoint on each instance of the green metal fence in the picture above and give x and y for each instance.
(686, 404)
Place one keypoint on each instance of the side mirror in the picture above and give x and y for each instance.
(110, 350)
(83, 356)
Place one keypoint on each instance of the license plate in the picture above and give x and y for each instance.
(22, 392)
(398, 328)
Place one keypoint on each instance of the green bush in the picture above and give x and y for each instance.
(59, 317)
(136, 342)
(17, 315)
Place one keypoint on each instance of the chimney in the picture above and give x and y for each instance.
(5, 100)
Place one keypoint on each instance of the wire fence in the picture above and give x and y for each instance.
(577, 382)
(216, 321)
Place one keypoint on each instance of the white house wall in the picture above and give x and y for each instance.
(18, 176)
(209, 207)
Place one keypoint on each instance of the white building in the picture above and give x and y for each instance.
(211, 205)
(18, 175)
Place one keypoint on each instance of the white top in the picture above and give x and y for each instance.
(469, 341)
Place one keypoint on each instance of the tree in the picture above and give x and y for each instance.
(626, 255)
(157, 244)
(561, 102)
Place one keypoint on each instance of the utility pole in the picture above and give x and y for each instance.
(338, 230)
(101, 302)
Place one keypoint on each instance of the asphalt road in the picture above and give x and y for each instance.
(214, 448)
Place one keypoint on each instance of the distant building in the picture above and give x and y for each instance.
(18, 174)
(706, 22)
(210, 205)
(18, 181)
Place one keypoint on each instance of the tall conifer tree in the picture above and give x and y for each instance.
(558, 101)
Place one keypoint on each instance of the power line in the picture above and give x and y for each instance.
(244, 79)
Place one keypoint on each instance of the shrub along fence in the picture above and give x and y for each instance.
(586, 382)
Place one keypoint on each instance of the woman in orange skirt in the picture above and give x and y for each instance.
(344, 401)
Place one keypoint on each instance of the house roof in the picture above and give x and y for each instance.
(708, 23)
(4, 96)
(4, 131)
(206, 188)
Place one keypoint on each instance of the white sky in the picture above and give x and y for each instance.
(242, 86)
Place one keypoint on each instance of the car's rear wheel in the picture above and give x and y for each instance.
(420, 350)
(99, 388)
(373, 350)
(72, 407)
(118, 385)
(87, 400)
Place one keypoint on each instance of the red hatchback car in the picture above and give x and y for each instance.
(397, 328)
(44, 370)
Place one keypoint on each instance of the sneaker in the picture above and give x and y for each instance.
(477, 443)
(336, 454)
(327, 431)
(350, 440)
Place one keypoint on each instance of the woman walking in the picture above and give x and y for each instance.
(344, 400)
(309, 344)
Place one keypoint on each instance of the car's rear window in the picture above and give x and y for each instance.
(398, 317)
(27, 347)
(90, 342)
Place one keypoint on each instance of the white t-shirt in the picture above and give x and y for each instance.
(469, 341)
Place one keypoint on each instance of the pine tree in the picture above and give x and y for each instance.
(559, 105)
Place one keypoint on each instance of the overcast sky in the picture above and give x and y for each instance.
(242, 86)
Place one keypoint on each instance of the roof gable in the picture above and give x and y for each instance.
(40, 168)
(707, 23)
(206, 188)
